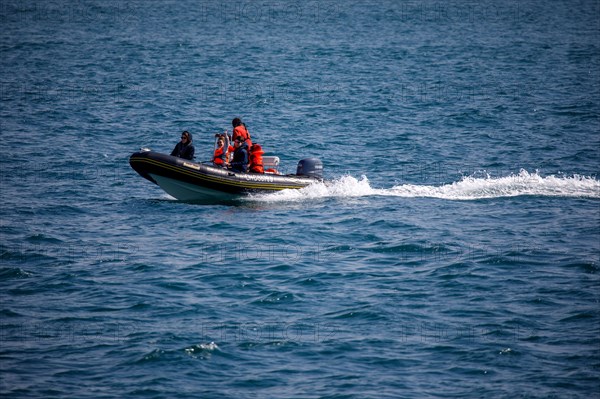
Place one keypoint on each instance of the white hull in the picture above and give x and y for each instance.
(190, 192)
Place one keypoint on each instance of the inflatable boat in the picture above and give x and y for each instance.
(190, 181)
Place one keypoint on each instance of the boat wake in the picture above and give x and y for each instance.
(468, 188)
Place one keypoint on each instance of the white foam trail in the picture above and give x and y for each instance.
(469, 188)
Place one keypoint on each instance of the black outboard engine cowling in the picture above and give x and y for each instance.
(311, 167)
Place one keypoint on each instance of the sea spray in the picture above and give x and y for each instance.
(468, 188)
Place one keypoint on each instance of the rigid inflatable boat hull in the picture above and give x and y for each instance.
(190, 181)
(190, 192)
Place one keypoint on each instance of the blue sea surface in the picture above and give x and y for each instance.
(454, 251)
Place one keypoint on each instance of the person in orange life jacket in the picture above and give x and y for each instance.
(221, 155)
(239, 163)
(184, 149)
(239, 129)
(256, 160)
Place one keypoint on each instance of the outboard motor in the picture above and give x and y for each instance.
(311, 167)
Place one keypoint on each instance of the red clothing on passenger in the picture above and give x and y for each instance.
(256, 159)
(241, 131)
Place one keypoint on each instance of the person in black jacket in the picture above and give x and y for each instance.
(239, 163)
(184, 149)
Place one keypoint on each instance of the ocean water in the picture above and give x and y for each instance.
(454, 252)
